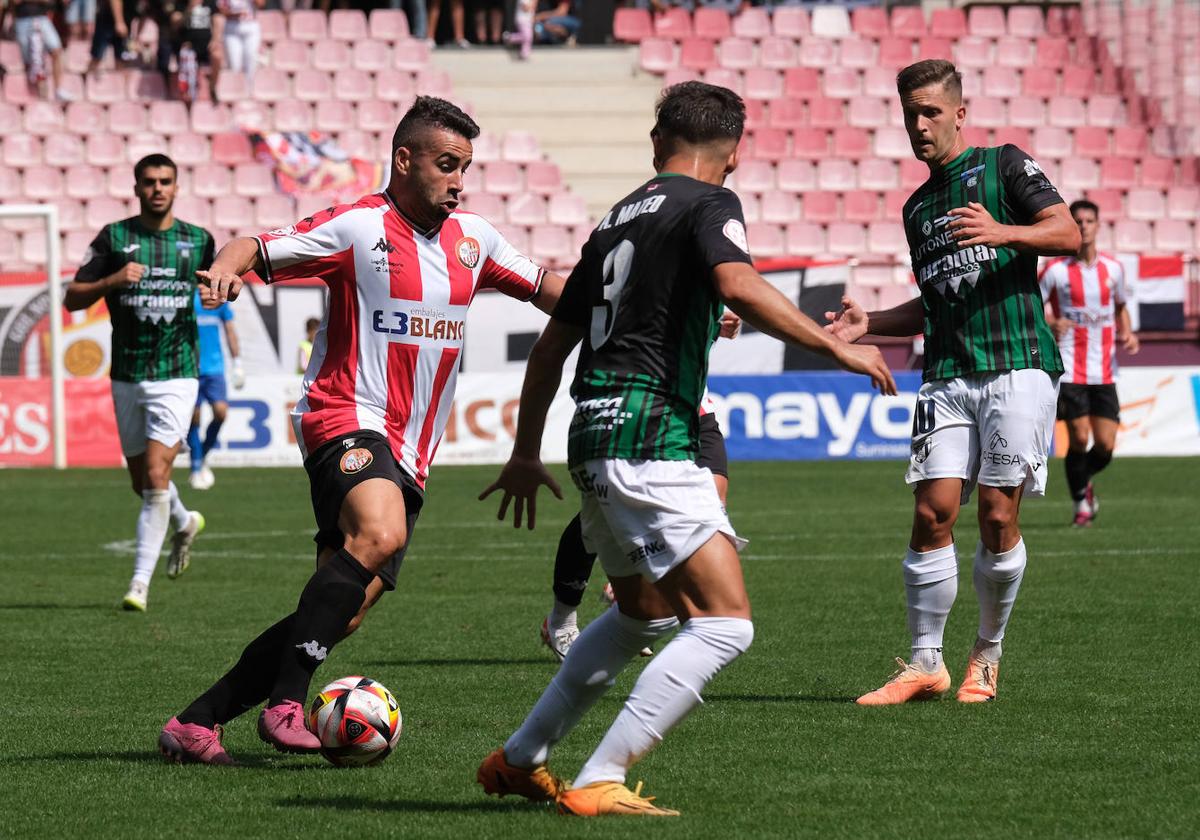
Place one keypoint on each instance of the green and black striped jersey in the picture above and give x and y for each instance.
(643, 292)
(983, 308)
(153, 321)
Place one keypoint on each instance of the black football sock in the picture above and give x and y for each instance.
(1077, 473)
(572, 565)
(1097, 460)
(247, 683)
(332, 596)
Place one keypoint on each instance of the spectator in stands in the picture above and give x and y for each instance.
(242, 36)
(418, 18)
(114, 18)
(38, 40)
(189, 35)
(81, 19)
(556, 22)
(457, 21)
(489, 21)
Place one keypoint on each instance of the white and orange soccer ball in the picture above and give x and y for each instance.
(357, 721)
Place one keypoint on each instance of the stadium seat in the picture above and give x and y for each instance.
(766, 240)
(272, 24)
(101, 210)
(1157, 172)
(841, 83)
(1027, 113)
(801, 82)
(631, 25)
(973, 52)
(1001, 82)
(329, 55)
(788, 22)
(10, 116)
(770, 144)
(908, 22)
(1053, 52)
(1145, 205)
(896, 294)
(860, 206)
(798, 176)
(893, 204)
(393, 87)
(805, 239)
(677, 75)
(293, 115)
(103, 150)
(1132, 235)
(777, 53)
(566, 208)
(1110, 202)
(1105, 111)
(311, 86)
(411, 55)
(42, 183)
(697, 54)
(737, 53)
(1079, 174)
(864, 112)
(234, 211)
(352, 85)
(146, 84)
(552, 243)
(1184, 203)
(756, 176)
(870, 22)
(877, 174)
(831, 22)
(43, 118)
(520, 146)
(434, 83)
(189, 149)
(81, 181)
(373, 115)
(1078, 81)
(826, 113)
(1039, 82)
(987, 112)
(388, 25)
(210, 180)
(348, 25)
(231, 148)
(1025, 22)
(1067, 112)
(358, 144)
(1022, 138)
(1091, 141)
(1173, 236)
(254, 179)
(817, 52)
(779, 207)
(306, 25)
(761, 83)
(851, 143)
(1015, 52)
(105, 88)
(808, 143)
(127, 118)
(22, 150)
(168, 116)
(821, 207)
(750, 212)
(836, 175)
(712, 24)
(931, 47)
(289, 55)
(674, 23)
(894, 53)
(948, 23)
(543, 178)
(270, 211)
(887, 238)
(858, 53)
(913, 173)
(986, 22)
(526, 209)
(334, 115)
(503, 178)
(892, 143)
(726, 78)
(209, 118)
(847, 239)
(271, 85)
(488, 205)
(247, 113)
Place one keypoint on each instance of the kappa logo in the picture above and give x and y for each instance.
(356, 460)
(314, 649)
(349, 442)
(467, 250)
(997, 441)
(384, 245)
(286, 231)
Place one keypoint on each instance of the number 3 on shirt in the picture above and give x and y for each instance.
(617, 265)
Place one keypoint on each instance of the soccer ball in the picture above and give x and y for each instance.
(357, 721)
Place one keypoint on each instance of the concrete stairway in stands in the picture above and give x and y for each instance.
(590, 108)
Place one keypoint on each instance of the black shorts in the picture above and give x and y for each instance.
(1075, 401)
(341, 464)
(201, 40)
(712, 446)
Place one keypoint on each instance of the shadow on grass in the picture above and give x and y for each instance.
(273, 763)
(778, 698)
(38, 607)
(424, 806)
(438, 663)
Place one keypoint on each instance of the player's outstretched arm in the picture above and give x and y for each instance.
(223, 279)
(524, 473)
(549, 292)
(853, 322)
(746, 292)
(1053, 233)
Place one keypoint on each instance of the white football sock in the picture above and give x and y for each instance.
(179, 513)
(930, 584)
(591, 667)
(151, 531)
(997, 579)
(666, 691)
(562, 615)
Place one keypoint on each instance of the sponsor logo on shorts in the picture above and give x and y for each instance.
(648, 550)
(1001, 459)
(467, 250)
(356, 460)
(920, 451)
(997, 441)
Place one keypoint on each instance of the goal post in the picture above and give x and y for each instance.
(48, 213)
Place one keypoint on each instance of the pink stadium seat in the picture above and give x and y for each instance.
(231, 148)
(789, 22)
(766, 240)
(10, 247)
(553, 243)
(1184, 203)
(860, 53)
(357, 143)
(1022, 138)
(127, 117)
(43, 118)
(1078, 81)
(76, 244)
(908, 22)
(787, 113)
(777, 53)
(726, 78)
(1015, 52)
(1001, 82)
(273, 25)
(234, 211)
(931, 47)
(987, 112)
(22, 150)
(334, 115)
(1131, 235)
(892, 143)
(847, 239)
(1157, 172)
(16, 88)
(1027, 113)
(543, 178)
(656, 55)
(752, 23)
(388, 24)
(311, 86)
(33, 246)
(798, 176)
(860, 206)
(254, 180)
(818, 52)
(631, 25)
(103, 150)
(1053, 52)
(1040, 82)
(864, 112)
(948, 23)
(712, 24)
(826, 113)
(192, 208)
(520, 146)
(986, 22)
(503, 178)
(893, 204)
(851, 143)
(82, 181)
(1118, 173)
(1105, 111)
(894, 53)
(42, 183)
(208, 118)
(761, 83)
(895, 295)
(913, 173)
(675, 23)
(972, 82)
(329, 55)
(770, 144)
(1110, 202)
(750, 211)
(189, 149)
(63, 150)
(973, 51)
(352, 85)
(211, 180)
(801, 82)
(870, 22)
(756, 113)
(392, 86)
(1079, 174)
(250, 114)
(831, 22)
(737, 53)
(887, 237)
(106, 87)
(677, 75)
(810, 143)
(412, 55)
(373, 115)
(271, 85)
(697, 54)
(837, 175)
(779, 207)
(306, 25)
(1173, 236)
(293, 115)
(755, 176)
(821, 207)
(270, 211)
(289, 55)
(566, 208)
(877, 174)
(146, 84)
(101, 210)
(841, 82)
(486, 204)
(1145, 205)
(526, 209)
(10, 116)
(348, 25)
(1091, 141)
(805, 239)
(1067, 111)
(1025, 22)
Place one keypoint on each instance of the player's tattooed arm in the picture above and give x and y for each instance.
(223, 280)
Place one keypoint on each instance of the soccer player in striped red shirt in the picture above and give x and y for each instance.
(1087, 294)
(402, 267)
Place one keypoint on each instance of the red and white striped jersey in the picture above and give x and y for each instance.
(1087, 296)
(386, 356)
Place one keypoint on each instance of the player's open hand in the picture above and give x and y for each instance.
(866, 359)
(850, 324)
(216, 287)
(731, 324)
(520, 480)
(127, 275)
(974, 225)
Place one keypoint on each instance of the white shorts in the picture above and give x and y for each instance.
(992, 429)
(646, 517)
(153, 410)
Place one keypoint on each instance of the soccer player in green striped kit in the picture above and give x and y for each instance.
(145, 269)
(985, 412)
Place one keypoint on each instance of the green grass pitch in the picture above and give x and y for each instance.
(1094, 733)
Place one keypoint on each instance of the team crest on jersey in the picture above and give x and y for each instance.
(467, 250)
(356, 460)
(283, 231)
(735, 232)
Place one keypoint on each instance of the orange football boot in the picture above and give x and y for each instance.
(602, 798)
(979, 685)
(907, 685)
(499, 778)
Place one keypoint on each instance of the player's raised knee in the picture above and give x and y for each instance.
(375, 544)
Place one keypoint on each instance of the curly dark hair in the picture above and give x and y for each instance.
(699, 113)
(430, 112)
